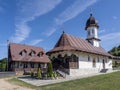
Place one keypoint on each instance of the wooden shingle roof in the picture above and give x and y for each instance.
(69, 42)
(16, 49)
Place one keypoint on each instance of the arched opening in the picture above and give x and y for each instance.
(65, 62)
(73, 63)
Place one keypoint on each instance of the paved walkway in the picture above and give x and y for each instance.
(37, 82)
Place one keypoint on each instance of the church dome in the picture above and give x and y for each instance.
(91, 22)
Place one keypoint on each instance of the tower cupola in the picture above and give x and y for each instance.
(92, 31)
(91, 22)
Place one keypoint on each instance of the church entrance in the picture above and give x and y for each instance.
(66, 62)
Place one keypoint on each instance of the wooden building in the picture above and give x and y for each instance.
(23, 58)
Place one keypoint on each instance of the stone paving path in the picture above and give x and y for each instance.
(37, 82)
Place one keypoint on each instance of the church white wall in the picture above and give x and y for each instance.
(85, 66)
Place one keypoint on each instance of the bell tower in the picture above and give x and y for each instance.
(92, 31)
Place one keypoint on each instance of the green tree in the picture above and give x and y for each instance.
(115, 51)
(50, 70)
(3, 64)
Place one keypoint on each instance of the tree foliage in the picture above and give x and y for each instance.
(115, 51)
(39, 75)
(3, 64)
(50, 70)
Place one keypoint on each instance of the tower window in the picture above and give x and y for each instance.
(88, 32)
(92, 31)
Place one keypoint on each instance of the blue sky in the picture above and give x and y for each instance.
(41, 22)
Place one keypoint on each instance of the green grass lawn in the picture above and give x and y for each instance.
(101, 82)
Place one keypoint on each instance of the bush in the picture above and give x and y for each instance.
(55, 74)
(3, 67)
(32, 73)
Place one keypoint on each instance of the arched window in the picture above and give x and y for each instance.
(74, 58)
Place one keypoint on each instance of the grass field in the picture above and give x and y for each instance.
(101, 82)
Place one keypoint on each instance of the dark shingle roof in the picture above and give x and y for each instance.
(16, 49)
(69, 42)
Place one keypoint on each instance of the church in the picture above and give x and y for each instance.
(75, 56)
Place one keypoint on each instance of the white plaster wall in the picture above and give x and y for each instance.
(96, 43)
(85, 66)
(109, 64)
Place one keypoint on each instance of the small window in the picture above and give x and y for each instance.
(32, 54)
(98, 60)
(106, 61)
(88, 58)
(92, 31)
(88, 32)
(32, 65)
(23, 53)
(40, 54)
(20, 64)
(43, 65)
(25, 65)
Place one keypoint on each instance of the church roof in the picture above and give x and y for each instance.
(16, 49)
(91, 22)
(68, 42)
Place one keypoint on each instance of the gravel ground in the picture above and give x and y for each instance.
(4, 85)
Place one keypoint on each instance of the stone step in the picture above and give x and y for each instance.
(63, 74)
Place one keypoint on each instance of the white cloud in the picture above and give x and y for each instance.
(50, 31)
(101, 31)
(21, 33)
(28, 10)
(75, 9)
(35, 42)
(110, 40)
(111, 36)
(71, 12)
